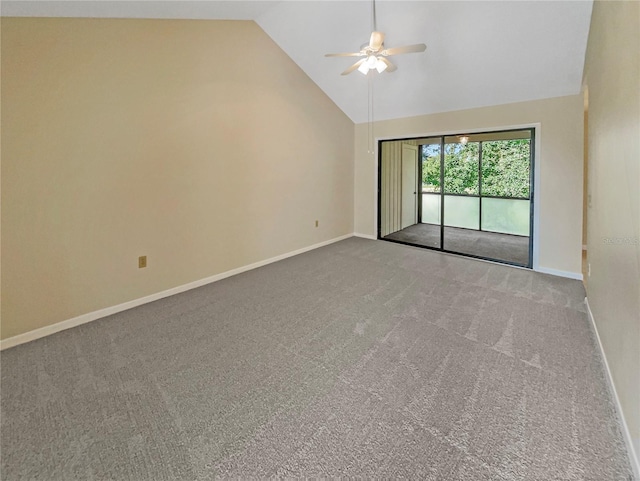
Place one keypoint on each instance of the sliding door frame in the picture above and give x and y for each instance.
(532, 200)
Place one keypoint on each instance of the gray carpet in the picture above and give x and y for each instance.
(492, 245)
(362, 358)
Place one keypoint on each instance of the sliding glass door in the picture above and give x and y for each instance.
(476, 196)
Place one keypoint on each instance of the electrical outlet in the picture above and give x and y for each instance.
(316, 223)
(142, 262)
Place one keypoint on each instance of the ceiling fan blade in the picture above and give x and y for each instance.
(420, 47)
(353, 67)
(390, 66)
(353, 54)
(376, 41)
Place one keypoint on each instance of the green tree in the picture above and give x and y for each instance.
(431, 168)
(505, 168)
(461, 168)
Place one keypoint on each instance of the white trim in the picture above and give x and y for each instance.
(535, 264)
(92, 316)
(376, 179)
(633, 459)
(556, 272)
(365, 236)
(478, 130)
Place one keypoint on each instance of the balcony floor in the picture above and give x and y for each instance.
(491, 245)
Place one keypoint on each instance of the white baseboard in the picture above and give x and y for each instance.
(92, 316)
(626, 434)
(543, 270)
(555, 272)
(365, 236)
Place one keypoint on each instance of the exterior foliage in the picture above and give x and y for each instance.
(505, 168)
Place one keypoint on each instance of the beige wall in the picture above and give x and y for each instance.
(197, 143)
(560, 166)
(612, 74)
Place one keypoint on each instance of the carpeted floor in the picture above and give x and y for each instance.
(492, 245)
(362, 358)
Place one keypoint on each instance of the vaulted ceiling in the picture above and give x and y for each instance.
(479, 53)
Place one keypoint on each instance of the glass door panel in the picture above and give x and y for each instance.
(461, 188)
(506, 197)
(430, 197)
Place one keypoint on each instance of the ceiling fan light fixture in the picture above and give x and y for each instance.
(375, 52)
(380, 66)
(372, 62)
(364, 68)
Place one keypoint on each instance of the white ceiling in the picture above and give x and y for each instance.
(479, 52)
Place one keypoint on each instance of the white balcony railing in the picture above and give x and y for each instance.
(508, 216)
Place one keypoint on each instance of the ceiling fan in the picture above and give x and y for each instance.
(376, 55)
